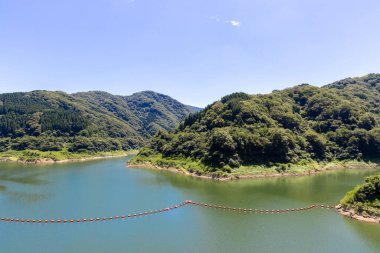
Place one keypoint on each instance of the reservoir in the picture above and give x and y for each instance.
(105, 188)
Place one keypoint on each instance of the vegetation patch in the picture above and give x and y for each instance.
(364, 199)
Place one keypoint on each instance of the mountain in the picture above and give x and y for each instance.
(298, 125)
(85, 121)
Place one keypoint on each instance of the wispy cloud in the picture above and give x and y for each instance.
(235, 23)
(214, 18)
(232, 22)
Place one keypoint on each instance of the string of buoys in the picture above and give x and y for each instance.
(167, 209)
(98, 219)
(251, 210)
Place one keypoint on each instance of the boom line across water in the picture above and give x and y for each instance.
(167, 209)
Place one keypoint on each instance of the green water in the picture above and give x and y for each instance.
(109, 188)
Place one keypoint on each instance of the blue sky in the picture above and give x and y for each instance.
(195, 51)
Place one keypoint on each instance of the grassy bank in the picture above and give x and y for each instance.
(363, 202)
(194, 168)
(35, 156)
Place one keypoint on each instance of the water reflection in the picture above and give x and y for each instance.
(369, 233)
(325, 188)
(27, 197)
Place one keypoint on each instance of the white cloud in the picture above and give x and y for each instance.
(235, 23)
(216, 18)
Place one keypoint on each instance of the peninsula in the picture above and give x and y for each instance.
(363, 202)
(296, 131)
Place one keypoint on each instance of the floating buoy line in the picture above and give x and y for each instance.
(167, 209)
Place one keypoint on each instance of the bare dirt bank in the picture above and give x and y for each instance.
(353, 215)
(147, 165)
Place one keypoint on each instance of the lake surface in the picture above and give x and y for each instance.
(108, 188)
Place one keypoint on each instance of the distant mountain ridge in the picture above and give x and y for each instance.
(55, 120)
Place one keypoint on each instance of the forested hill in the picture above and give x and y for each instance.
(297, 125)
(86, 121)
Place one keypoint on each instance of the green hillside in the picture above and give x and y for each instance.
(299, 125)
(84, 122)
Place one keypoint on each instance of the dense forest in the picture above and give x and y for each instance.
(339, 121)
(365, 198)
(87, 121)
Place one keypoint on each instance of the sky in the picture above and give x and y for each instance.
(193, 50)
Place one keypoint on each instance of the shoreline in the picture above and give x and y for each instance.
(44, 160)
(147, 165)
(349, 213)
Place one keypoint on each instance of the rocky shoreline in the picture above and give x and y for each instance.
(51, 161)
(353, 215)
(147, 165)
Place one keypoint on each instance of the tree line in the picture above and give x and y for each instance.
(303, 123)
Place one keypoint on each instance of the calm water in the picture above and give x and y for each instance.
(108, 188)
